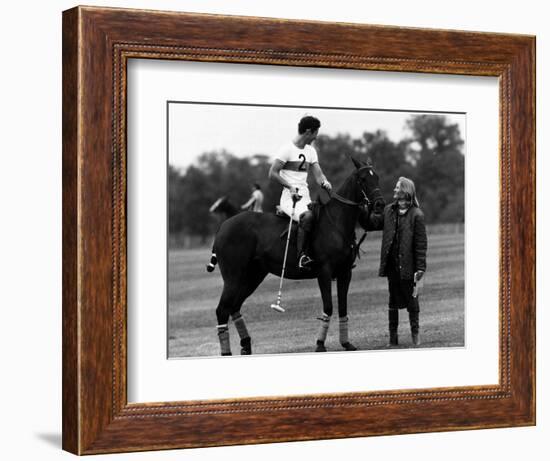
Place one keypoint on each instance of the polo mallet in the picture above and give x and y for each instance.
(277, 306)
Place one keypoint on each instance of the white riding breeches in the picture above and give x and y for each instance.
(301, 206)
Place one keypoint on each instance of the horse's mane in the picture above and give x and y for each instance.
(344, 189)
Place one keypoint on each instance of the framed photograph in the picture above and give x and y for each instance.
(282, 230)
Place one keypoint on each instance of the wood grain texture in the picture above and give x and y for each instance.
(70, 384)
(97, 44)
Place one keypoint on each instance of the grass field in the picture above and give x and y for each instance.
(193, 295)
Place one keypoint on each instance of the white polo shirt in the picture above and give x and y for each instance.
(296, 166)
(296, 163)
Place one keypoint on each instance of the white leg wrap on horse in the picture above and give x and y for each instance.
(212, 264)
(223, 336)
(344, 335)
(323, 329)
(240, 325)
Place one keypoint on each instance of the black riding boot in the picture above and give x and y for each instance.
(302, 247)
(301, 238)
(415, 326)
(393, 317)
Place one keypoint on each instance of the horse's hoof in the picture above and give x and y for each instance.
(225, 354)
(349, 347)
(246, 346)
(320, 347)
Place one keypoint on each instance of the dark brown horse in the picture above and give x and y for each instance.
(250, 245)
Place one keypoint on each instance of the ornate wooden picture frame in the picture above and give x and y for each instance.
(97, 44)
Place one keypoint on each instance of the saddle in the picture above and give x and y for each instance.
(280, 213)
(313, 206)
(293, 229)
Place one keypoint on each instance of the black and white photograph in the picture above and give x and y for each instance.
(349, 198)
(304, 229)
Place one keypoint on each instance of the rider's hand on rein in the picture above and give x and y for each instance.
(326, 185)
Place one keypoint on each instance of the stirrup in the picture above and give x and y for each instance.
(304, 261)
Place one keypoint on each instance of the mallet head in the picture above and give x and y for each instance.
(277, 307)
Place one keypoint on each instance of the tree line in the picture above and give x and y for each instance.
(431, 155)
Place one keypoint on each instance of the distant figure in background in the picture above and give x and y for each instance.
(256, 200)
(403, 255)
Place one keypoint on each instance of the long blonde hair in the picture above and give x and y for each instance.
(407, 186)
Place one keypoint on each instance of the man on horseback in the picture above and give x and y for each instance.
(256, 200)
(249, 246)
(290, 169)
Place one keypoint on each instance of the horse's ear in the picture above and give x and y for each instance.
(356, 161)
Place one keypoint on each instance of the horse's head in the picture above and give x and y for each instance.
(367, 183)
(219, 205)
(223, 208)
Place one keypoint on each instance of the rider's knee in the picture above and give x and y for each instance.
(306, 220)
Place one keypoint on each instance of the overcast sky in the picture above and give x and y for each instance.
(248, 130)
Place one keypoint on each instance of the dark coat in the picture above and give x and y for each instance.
(413, 242)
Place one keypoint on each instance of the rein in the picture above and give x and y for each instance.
(362, 203)
(334, 195)
(345, 201)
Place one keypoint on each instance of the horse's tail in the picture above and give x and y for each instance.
(213, 261)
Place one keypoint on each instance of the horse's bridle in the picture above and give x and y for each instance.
(366, 202)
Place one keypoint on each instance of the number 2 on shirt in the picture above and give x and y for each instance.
(302, 166)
